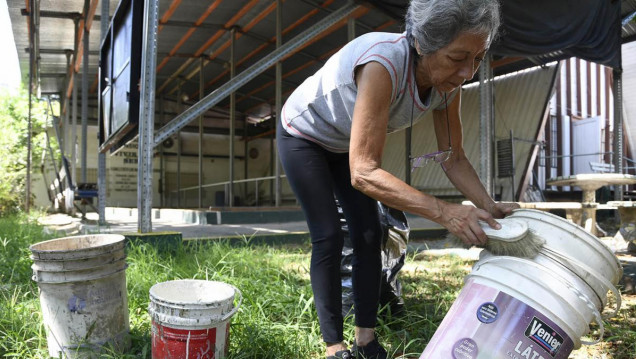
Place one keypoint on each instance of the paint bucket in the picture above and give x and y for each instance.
(82, 284)
(573, 241)
(191, 318)
(537, 308)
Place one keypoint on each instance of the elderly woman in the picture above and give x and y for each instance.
(331, 137)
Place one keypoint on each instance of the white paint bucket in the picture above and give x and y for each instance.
(82, 283)
(535, 308)
(191, 318)
(572, 240)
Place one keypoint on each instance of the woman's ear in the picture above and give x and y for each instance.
(417, 47)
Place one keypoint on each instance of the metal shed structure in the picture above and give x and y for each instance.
(217, 71)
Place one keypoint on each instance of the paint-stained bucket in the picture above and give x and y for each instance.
(191, 318)
(536, 308)
(82, 284)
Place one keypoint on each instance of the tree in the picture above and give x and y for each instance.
(14, 115)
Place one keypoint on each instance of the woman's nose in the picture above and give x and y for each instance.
(467, 70)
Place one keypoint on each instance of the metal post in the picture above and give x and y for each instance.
(246, 155)
(279, 102)
(201, 89)
(162, 160)
(485, 118)
(66, 126)
(101, 157)
(351, 28)
(27, 202)
(512, 178)
(618, 129)
(73, 141)
(179, 107)
(232, 115)
(147, 116)
(256, 192)
(84, 99)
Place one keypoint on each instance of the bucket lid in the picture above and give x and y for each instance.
(76, 247)
(188, 293)
(511, 229)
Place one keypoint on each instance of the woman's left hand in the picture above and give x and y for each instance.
(502, 209)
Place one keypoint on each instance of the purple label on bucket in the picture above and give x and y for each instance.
(76, 304)
(465, 348)
(485, 323)
(487, 312)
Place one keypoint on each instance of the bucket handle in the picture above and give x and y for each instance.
(596, 276)
(579, 294)
(597, 316)
(229, 314)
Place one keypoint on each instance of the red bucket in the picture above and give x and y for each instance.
(191, 319)
(196, 344)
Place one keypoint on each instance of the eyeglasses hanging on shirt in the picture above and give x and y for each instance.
(438, 156)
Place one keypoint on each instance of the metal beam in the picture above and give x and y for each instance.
(485, 124)
(241, 79)
(146, 115)
(101, 157)
(85, 48)
(47, 75)
(60, 52)
(200, 176)
(618, 129)
(232, 117)
(54, 14)
(279, 103)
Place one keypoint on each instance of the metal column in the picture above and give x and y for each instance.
(279, 103)
(485, 124)
(73, 141)
(618, 129)
(162, 159)
(27, 200)
(179, 107)
(201, 89)
(232, 117)
(147, 116)
(67, 119)
(67, 138)
(101, 157)
(84, 98)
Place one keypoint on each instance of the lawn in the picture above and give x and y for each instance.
(277, 318)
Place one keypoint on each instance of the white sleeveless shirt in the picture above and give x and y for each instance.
(321, 108)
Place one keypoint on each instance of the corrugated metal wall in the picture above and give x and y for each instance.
(520, 101)
(583, 91)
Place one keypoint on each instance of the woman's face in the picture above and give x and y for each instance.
(451, 66)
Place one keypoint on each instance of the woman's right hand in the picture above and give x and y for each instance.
(463, 222)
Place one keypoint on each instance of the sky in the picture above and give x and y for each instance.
(9, 66)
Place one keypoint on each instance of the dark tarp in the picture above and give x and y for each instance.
(587, 29)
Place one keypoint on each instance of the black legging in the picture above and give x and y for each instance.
(315, 175)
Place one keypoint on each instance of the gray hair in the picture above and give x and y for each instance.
(436, 23)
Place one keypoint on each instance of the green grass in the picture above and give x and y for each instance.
(277, 318)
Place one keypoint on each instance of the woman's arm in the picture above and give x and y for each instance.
(458, 169)
(368, 135)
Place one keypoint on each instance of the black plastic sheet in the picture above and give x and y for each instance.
(395, 238)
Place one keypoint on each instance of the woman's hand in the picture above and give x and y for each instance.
(463, 221)
(502, 209)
